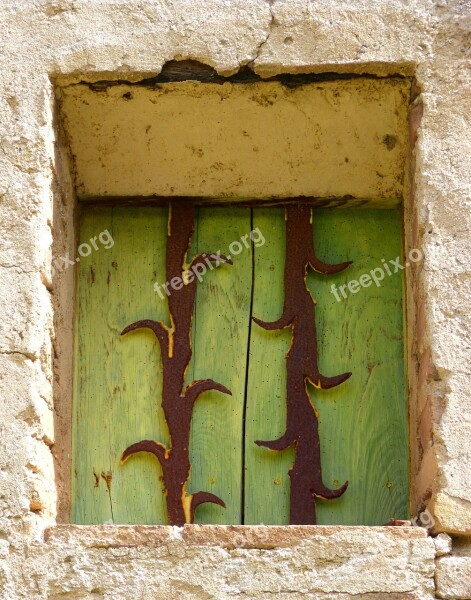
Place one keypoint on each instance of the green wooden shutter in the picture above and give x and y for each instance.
(117, 388)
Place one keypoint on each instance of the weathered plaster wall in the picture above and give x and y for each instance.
(47, 43)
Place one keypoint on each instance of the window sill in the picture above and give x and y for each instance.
(225, 536)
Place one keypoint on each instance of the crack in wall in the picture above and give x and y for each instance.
(28, 355)
(263, 43)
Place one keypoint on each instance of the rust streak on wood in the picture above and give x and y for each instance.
(302, 368)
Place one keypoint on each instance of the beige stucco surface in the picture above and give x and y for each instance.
(48, 43)
(219, 562)
(230, 140)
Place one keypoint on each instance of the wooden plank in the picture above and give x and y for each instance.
(118, 379)
(326, 202)
(266, 474)
(91, 407)
(363, 423)
(220, 343)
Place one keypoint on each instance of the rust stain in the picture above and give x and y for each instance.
(107, 476)
(302, 368)
(176, 351)
(97, 479)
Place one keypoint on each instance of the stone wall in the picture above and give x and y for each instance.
(47, 44)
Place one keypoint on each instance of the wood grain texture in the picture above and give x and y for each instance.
(177, 399)
(118, 381)
(363, 423)
(302, 369)
(220, 342)
(267, 484)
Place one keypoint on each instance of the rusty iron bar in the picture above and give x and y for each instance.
(302, 429)
(176, 351)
